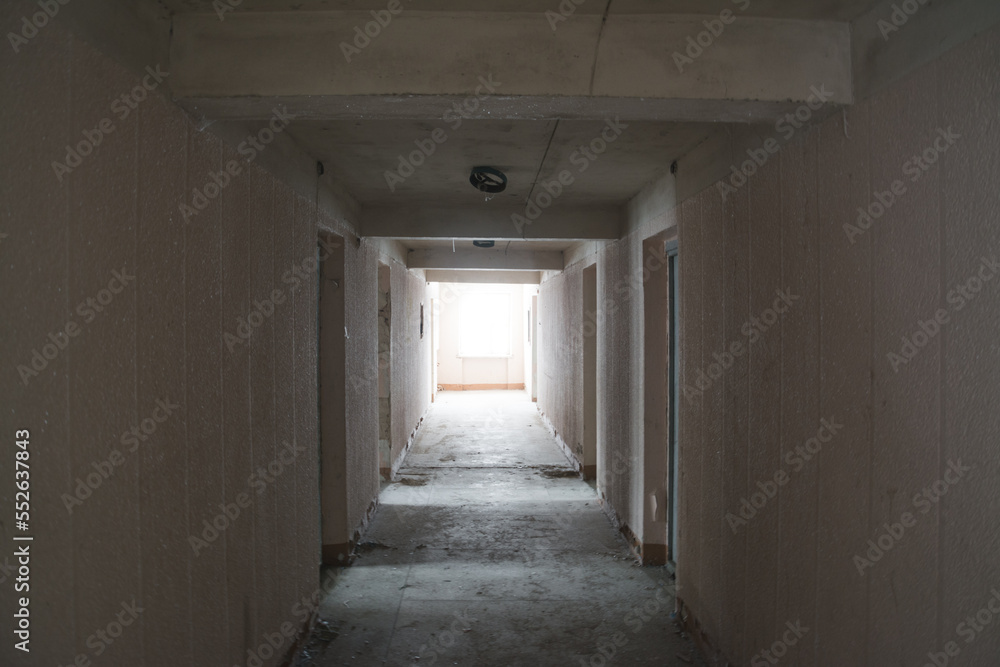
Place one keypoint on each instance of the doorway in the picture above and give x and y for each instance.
(656, 399)
(384, 305)
(673, 407)
(589, 335)
(533, 335)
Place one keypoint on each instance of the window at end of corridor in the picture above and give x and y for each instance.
(485, 322)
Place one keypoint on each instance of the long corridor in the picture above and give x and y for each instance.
(489, 550)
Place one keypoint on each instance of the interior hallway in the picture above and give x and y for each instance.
(715, 227)
(489, 550)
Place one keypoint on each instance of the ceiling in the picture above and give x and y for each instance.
(832, 10)
(358, 153)
(512, 245)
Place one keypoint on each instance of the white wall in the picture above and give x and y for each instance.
(530, 291)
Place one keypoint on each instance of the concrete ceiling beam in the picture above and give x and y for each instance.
(492, 222)
(485, 258)
(484, 277)
(498, 107)
(429, 65)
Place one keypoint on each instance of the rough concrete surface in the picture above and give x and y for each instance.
(489, 550)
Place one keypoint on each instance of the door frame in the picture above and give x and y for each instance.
(671, 250)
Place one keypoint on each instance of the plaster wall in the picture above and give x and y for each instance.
(904, 423)
(162, 336)
(619, 327)
(530, 333)
(411, 362)
(560, 357)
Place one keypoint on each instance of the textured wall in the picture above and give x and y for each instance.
(826, 358)
(620, 370)
(362, 396)
(161, 337)
(620, 380)
(411, 361)
(560, 356)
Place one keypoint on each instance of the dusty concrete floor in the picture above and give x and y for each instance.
(487, 551)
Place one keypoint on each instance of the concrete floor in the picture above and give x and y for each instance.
(489, 550)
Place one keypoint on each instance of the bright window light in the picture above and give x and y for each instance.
(485, 321)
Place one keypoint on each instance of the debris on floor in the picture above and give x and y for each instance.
(495, 565)
(553, 472)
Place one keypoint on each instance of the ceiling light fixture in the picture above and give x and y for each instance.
(489, 180)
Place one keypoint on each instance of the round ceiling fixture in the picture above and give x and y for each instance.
(488, 180)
